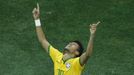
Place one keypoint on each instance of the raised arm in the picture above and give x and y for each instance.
(85, 56)
(39, 31)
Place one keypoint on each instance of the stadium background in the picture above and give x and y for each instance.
(62, 21)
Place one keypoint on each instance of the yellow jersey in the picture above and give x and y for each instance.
(70, 67)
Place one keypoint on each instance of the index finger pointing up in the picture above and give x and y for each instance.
(97, 23)
(38, 7)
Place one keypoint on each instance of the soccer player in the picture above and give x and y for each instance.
(72, 60)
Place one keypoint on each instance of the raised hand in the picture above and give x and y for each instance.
(93, 27)
(36, 12)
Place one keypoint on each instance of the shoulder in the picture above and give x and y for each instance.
(54, 53)
(76, 62)
(52, 49)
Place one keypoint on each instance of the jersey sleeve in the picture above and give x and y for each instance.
(53, 52)
(77, 63)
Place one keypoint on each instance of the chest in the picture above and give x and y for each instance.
(64, 66)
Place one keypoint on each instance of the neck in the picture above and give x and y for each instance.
(67, 56)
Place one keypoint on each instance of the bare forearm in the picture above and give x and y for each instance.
(90, 45)
(39, 31)
(85, 56)
(40, 34)
(42, 38)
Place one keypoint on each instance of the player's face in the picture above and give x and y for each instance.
(72, 47)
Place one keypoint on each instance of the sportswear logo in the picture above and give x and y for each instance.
(68, 65)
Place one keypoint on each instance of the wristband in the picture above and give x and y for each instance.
(37, 23)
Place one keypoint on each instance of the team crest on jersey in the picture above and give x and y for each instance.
(68, 65)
